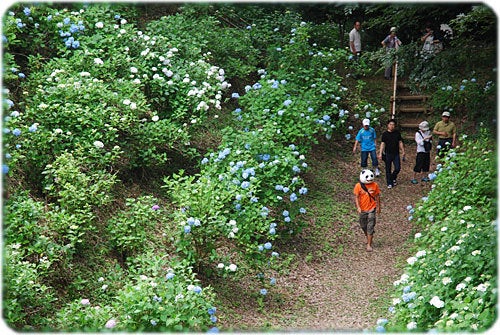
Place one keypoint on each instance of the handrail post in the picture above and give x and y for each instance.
(394, 90)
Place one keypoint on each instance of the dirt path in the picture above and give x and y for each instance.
(334, 283)
(348, 290)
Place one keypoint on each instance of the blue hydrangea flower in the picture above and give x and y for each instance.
(263, 291)
(187, 229)
(5, 168)
(212, 310)
(302, 210)
(197, 289)
(16, 132)
(213, 330)
(293, 197)
(245, 184)
(272, 281)
(170, 275)
(268, 245)
(286, 213)
(213, 318)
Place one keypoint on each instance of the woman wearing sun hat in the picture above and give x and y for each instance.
(447, 132)
(423, 160)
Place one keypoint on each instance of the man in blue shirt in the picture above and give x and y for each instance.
(367, 138)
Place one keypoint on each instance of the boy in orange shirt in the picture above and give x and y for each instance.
(367, 198)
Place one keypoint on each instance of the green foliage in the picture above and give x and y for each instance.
(129, 228)
(450, 283)
(475, 27)
(27, 300)
(68, 175)
(467, 97)
(159, 298)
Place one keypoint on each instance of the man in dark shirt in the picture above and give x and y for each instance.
(390, 147)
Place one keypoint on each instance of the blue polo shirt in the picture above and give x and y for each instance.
(366, 138)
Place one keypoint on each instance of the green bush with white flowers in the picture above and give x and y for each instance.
(450, 282)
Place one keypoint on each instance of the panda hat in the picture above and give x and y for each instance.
(366, 176)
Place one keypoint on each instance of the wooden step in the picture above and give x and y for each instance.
(422, 98)
(409, 125)
(402, 109)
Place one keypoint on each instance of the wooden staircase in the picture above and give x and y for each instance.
(409, 110)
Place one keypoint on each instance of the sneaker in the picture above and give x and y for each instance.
(389, 186)
(377, 172)
(425, 179)
(369, 248)
(394, 183)
(414, 181)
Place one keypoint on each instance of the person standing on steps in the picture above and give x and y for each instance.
(367, 139)
(423, 137)
(367, 199)
(390, 43)
(391, 145)
(447, 132)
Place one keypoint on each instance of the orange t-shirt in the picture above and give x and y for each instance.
(366, 203)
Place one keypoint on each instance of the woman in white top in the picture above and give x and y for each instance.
(423, 138)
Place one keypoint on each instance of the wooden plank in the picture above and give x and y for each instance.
(412, 109)
(411, 98)
(409, 125)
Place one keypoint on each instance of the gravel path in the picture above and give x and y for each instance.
(335, 285)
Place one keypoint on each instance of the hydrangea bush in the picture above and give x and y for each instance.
(450, 284)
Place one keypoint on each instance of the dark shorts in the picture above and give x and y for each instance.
(367, 222)
(423, 162)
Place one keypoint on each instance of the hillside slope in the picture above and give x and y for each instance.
(333, 283)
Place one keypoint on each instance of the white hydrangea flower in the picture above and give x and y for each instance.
(98, 144)
(436, 302)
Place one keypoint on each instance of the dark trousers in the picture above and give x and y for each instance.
(390, 174)
(364, 158)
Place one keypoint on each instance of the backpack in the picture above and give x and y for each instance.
(427, 144)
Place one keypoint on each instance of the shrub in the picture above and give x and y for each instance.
(27, 301)
(450, 283)
(156, 297)
(129, 228)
